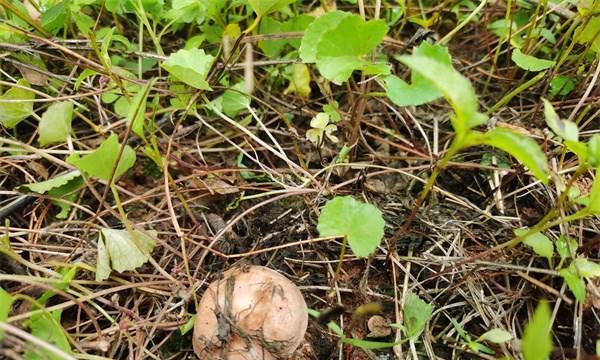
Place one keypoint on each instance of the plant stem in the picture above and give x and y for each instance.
(506, 98)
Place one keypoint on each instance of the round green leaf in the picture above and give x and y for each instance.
(55, 125)
(361, 223)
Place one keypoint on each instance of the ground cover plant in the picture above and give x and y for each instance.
(424, 172)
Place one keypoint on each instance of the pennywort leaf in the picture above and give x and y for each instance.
(117, 250)
(46, 326)
(497, 336)
(539, 242)
(137, 110)
(537, 340)
(341, 49)
(574, 282)
(55, 125)
(523, 148)
(530, 63)
(314, 32)
(6, 301)
(361, 223)
(455, 88)
(100, 162)
(421, 90)
(265, 7)
(190, 66)
(12, 113)
(416, 313)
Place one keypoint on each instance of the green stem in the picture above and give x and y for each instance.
(506, 98)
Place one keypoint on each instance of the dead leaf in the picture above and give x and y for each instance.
(379, 327)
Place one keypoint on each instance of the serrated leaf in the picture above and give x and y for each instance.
(361, 223)
(55, 125)
(420, 90)
(523, 148)
(314, 32)
(300, 81)
(100, 162)
(190, 67)
(565, 129)
(497, 336)
(43, 187)
(233, 100)
(539, 242)
(537, 340)
(586, 268)
(574, 282)
(530, 63)
(563, 244)
(46, 327)
(117, 250)
(341, 49)
(12, 113)
(416, 313)
(6, 301)
(265, 7)
(455, 88)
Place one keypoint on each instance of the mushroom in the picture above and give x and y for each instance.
(252, 313)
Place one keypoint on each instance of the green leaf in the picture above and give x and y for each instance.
(563, 244)
(497, 336)
(12, 113)
(55, 125)
(589, 34)
(137, 110)
(341, 49)
(455, 88)
(539, 242)
(268, 25)
(561, 85)
(46, 327)
(523, 148)
(55, 17)
(537, 340)
(300, 81)
(421, 90)
(594, 206)
(190, 66)
(117, 250)
(314, 32)
(593, 151)
(100, 162)
(361, 223)
(43, 187)
(530, 63)
(189, 325)
(565, 129)
(587, 269)
(265, 7)
(574, 282)
(416, 313)
(6, 301)
(233, 101)
(366, 344)
(68, 192)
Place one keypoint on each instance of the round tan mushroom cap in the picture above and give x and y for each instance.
(252, 313)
